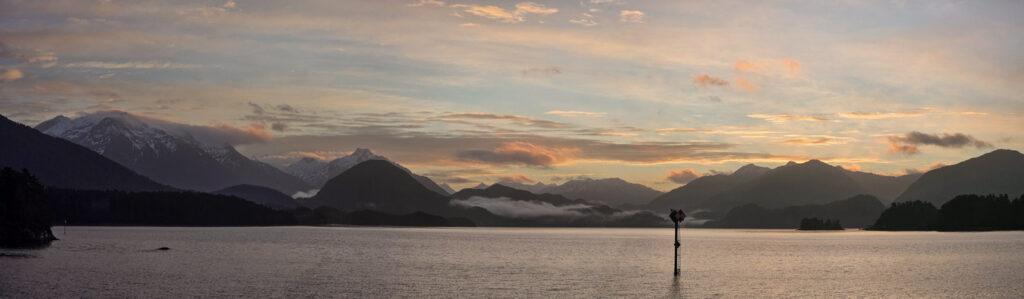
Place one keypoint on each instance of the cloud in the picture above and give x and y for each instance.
(746, 66)
(104, 93)
(306, 194)
(505, 207)
(534, 8)
(851, 167)
(427, 2)
(586, 19)
(682, 176)
(257, 109)
(903, 149)
(705, 80)
(746, 85)
(521, 120)
(278, 126)
(287, 108)
(11, 75)
(229, 4)
(909, 142)
(576, 113)
(816, 140)
(518, 178)
(498, 13)
(547, 70)
(36, 56)
(131, 65)
(631, 16)
(878, 115)
(791, 66)
(779, 118)
(522, 153)
(218, 134)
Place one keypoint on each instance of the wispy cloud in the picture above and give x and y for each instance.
(631, 16)
(522, 153)
(878, 115)
(779, 118)
(576, 113)
(547, 70)
(792, 66)
(11, 75)
(816, 140)
(497, 13)
(131, 65)
(426, 3)
(505, 207)
(746, 85)
(705, 80)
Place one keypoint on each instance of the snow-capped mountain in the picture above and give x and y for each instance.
(311, 170)
(176, 159)
(317, 172)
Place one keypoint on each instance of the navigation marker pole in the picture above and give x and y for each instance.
(677, 216)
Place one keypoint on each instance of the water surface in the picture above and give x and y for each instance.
(512, 262)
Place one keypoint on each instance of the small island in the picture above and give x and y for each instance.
(818, 224)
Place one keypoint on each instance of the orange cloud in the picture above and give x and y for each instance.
(908, 149)
(705, 80)
(746, 85)
(851, 167)
(524, 153)
(819, 140)
(746, 66)
(682, 176)
(518, 178)
(498, 13)
(11, 75)
(778, 118)
(792, 66)
(878, 115)
(631, 16)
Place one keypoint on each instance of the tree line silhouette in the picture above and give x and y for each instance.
(24, 213)
(817, 224)
(968, 212)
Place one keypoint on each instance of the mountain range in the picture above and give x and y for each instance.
(614, 192)
(105, 150)
(811, 182)
(997, 172)
(168, 156)
(317, 172)
(63, 164)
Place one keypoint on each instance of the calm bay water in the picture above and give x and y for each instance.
(512, 262)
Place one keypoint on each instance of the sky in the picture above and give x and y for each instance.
(654, 92)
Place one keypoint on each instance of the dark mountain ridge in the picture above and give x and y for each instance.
(61, 163)
(997, 172)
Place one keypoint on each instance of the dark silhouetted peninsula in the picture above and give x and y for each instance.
(24, 212)
(967, 212)
(818, 224)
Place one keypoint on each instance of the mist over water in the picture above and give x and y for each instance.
(512, 262)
